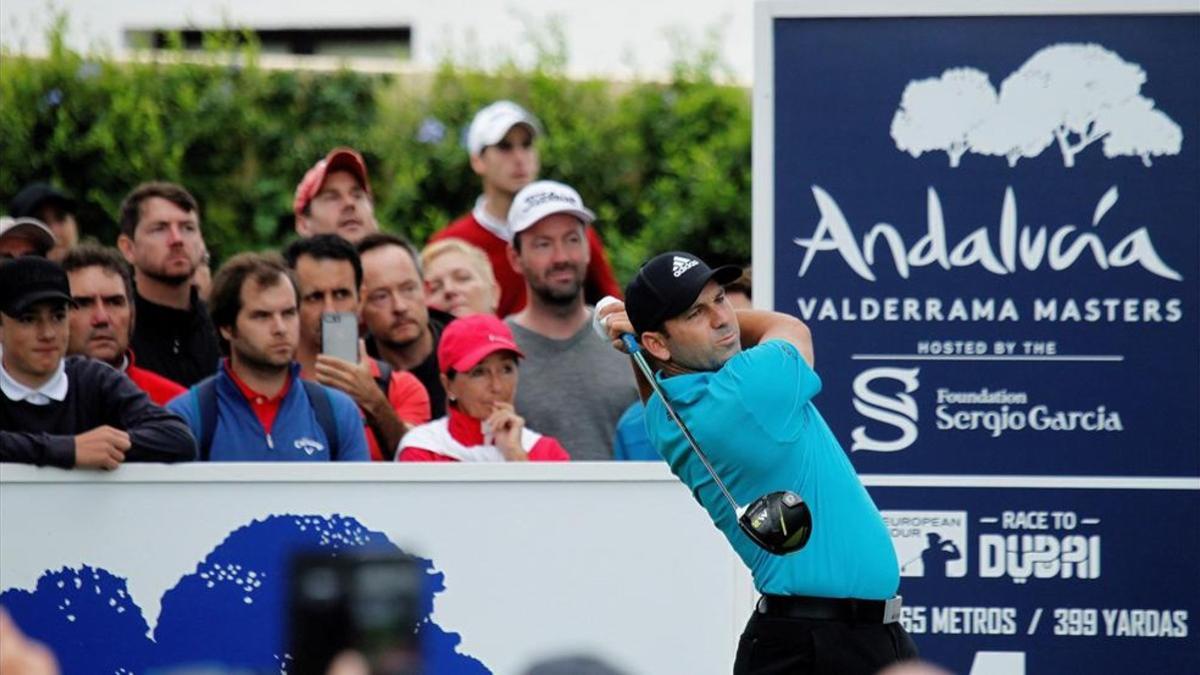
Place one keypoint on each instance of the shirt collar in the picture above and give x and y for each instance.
(464, 428)
(54, 389)
(488, 222)
(253, 396)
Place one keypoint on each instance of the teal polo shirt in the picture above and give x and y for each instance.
(755, 420)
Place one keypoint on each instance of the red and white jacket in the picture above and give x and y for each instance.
(458, 437)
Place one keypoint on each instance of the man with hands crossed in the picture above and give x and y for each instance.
(69, 412)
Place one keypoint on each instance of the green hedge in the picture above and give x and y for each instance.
(664, 165)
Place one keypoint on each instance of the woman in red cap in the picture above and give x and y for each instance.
(477, 357)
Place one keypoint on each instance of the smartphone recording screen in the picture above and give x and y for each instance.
(339, 335)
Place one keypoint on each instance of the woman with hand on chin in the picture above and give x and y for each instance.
(477, 357)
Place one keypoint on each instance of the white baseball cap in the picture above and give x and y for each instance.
(543, 198)
(492, 123)
(30, 229)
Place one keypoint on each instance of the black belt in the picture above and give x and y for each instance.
(830, 609)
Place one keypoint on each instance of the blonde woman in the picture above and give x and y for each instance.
(459, 278)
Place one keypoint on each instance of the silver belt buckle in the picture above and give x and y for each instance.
(891, 609)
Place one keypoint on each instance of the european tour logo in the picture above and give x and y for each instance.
(1071, 96)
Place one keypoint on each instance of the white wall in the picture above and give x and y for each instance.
(618, 38)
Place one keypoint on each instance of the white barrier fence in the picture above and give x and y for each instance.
(610, 560)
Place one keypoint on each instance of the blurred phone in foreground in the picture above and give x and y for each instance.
(339, 335)
(369, 602)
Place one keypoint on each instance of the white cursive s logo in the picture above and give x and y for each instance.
(899, 410)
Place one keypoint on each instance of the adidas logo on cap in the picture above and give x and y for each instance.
(680, 265)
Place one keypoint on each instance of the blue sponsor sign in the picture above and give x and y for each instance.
(992, 225)
(1016, 581)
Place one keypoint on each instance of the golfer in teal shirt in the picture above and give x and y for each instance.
(743, 384)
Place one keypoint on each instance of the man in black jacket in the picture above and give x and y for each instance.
(69, 412)
(161, 238)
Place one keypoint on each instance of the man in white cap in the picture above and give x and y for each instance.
(501, 142)
(571, 386)
(24, 236)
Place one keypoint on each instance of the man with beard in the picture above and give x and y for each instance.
(256, 408)
(334, 197)
(102, 317)
(403, 330)
(571, 386)
(743, 383)
(160, 237)
(500, 141)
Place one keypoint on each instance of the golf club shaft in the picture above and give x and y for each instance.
(640, 359)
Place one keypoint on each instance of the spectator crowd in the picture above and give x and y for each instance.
(350, 344)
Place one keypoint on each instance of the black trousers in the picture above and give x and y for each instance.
(773, 645)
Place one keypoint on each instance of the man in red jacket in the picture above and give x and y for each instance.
(501, 142)
(102, 318)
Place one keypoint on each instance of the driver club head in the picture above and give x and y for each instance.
(780, 522)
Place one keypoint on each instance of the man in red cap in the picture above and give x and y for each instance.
(334, 197)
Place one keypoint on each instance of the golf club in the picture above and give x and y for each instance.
(779, 522)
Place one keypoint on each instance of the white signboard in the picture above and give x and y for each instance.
(614, 561)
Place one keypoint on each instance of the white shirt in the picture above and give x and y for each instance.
(435, 436)
(491, 224)
(54, 389)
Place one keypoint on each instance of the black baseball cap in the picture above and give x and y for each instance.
(29, 280)
(32, 196)
(667, 285)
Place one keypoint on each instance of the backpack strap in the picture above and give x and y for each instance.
(318, 398)
(205, 395)
(385, 385)
(385, 377)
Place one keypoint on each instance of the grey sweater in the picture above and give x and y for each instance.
(573, 389)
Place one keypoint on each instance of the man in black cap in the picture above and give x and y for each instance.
(830, 607)
(75, 411)
(53, 207)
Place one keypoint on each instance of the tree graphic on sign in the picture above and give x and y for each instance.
(1136, 128)
(1072, 95)
(1019, 125)
(940, 113)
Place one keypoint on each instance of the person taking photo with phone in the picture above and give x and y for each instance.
(256, 408)
(328, 273)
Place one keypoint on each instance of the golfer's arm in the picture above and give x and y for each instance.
(758, 326)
